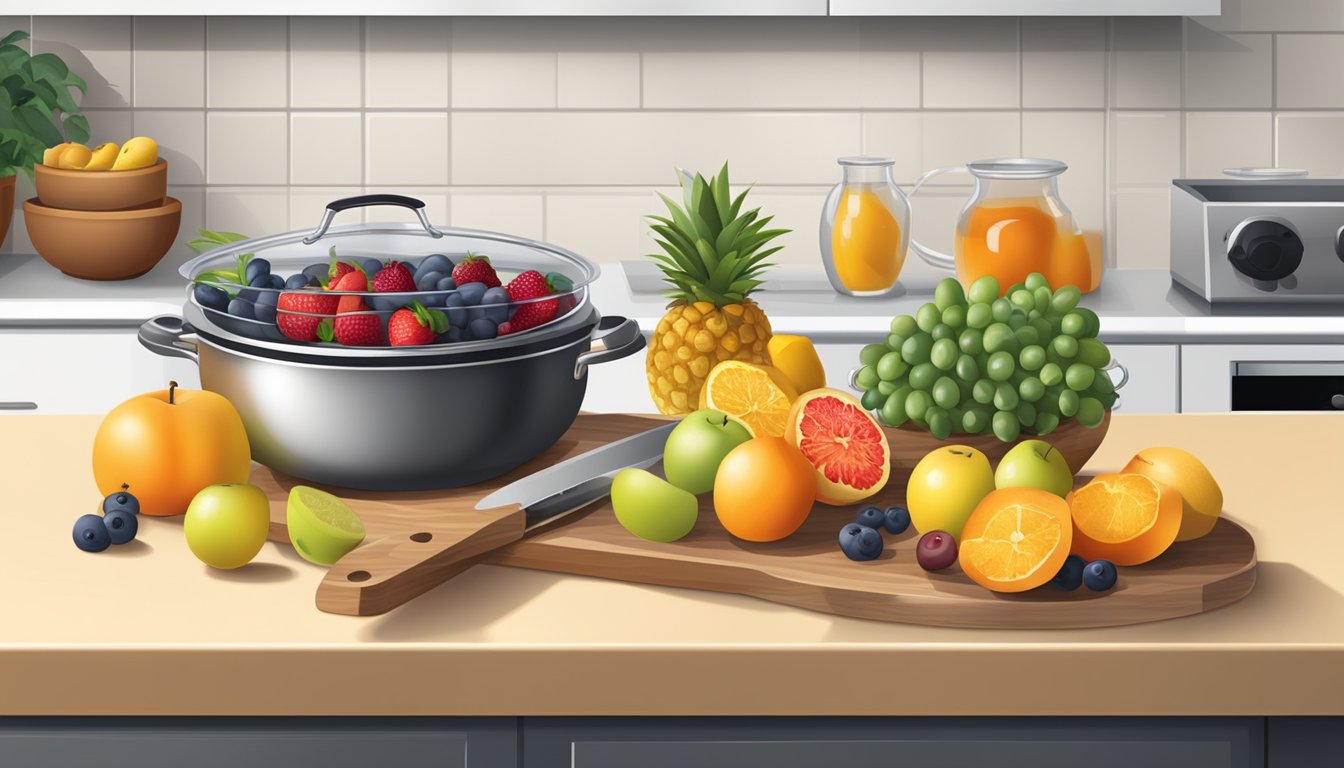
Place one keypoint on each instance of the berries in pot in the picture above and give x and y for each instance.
(415, 325)
(859, 542)
(936, 550)
(475, 269)
(472, 293)
(210, 297)
(499, 298)
(483, 328)
(256, 268)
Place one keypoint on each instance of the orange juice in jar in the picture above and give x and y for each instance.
(865, 228)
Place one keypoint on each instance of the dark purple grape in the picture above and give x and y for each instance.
(936, 550)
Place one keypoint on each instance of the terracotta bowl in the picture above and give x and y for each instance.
(103, 245)
(101, 190)
(1077, 443)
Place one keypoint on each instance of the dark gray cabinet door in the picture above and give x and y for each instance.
(1305, 742)
(915, 742)
(125, 742)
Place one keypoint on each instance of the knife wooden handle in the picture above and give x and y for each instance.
(382, 574)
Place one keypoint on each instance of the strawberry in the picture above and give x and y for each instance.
(415, 325)
(355, 325)
(475, 269)
(527, 287)
(393, 278)
(300, 312)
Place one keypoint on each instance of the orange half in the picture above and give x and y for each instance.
(1016, 539)
(757, 394)
(1125, 518)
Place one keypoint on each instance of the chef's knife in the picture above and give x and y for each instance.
(380, 575)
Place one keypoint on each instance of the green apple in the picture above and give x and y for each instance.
(697, 446)
(945, 486)
(652, 508)
(1034, 464)
(226, 524)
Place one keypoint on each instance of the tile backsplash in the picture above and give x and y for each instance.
(562, 129)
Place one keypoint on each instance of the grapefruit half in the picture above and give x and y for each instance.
(843, 442)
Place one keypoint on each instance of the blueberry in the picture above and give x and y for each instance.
(499, 297)
(434, 263)
(248, 294)
(859, 542)
(122, 499)
(261, 281)
(475, 313)
(428, 281)
(471, 293)
(457, 315)
(388, 302)
(483, 328)
(256, 268)
(1070, 576)
(446, 284)
(91, 534)
(435, 300)
(1099, 575)
(317, 272)
(371, 267)
(299, 280)
(870, 517)
(896, 519)
(210, 297)
(450, 336)
(243, 308)
(264, 312)
(121, 525)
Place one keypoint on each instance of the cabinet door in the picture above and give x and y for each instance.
(1305, 742)
(1206, 369)
(259, 743)
(1154, 378)
(923, 742)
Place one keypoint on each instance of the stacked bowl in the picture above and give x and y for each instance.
(102, 225)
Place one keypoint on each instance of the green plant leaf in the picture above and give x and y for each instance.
(77, 128)
(49, 65)
(75, 81)
(38, 124)
(16, 36)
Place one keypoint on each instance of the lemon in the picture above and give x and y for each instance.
(797, 359)
(322, 528)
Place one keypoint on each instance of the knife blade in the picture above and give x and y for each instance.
(574, 483)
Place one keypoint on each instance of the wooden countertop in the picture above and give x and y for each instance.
(147, 629)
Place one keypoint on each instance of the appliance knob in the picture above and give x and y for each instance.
(1265, 248)
(1339, 243)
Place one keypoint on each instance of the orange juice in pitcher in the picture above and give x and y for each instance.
(865, 227)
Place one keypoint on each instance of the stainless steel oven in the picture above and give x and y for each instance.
(1288, 386)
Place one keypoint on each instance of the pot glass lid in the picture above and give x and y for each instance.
(1017, 168)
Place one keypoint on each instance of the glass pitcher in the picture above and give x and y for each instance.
(865, 228)
(1015, 224)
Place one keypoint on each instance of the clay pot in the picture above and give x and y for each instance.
(101, 190)
(103, 245)
(6, 206)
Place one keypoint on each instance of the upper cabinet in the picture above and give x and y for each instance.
(618, 7)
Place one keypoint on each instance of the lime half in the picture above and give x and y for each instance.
(322, 528)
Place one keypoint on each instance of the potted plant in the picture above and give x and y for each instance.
(37, 111)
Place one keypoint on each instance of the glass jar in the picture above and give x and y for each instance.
(1014, 224)
(865, 228)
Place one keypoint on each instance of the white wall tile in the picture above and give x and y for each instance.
(326, 148)
(1278, 16)
(193, 220)
(252, 211)
(547, 149)
(521, 214)
(406, 62)
(324, 62)
(1143, 229)
(797, 210)
(97, 48)
(436, 200)
(603, 225)
(246, 62)
(409, 148)
(520, 80)
(1227, 70)
(169, 61)
(245, 148)
(1076, 138)
(181, 138)
(588, 80)
(308, 204)
(110, 125)
(1308, 69)
(969, 62)
(898, 135)
(1218, 140)
(1146, 63)
(933, 222)
(1063, 62)
(1146, 147)
(1311, 141)
(953, 138)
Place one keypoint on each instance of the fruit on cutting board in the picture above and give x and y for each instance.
(168, 445)
(945, 487)
(1099, 575)
(797, 359)
(1016, 539)
(714, 256)
(1034, 464)
(652, 508)
(321, 527)
(936, 550)
(1070, 575)
(843, 442)
(226, 524)
(759, 395)
(696, 447)
(764, 489)
(1126, 518)
(860, 542)
(1201, 498)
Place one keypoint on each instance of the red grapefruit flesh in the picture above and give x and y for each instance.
(843, 442)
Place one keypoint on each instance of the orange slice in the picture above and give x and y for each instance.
(1125, 518)
(1016, 539)
(757, 394)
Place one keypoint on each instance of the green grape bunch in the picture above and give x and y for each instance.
(976, 361)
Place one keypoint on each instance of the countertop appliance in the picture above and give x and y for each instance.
(1259, 240)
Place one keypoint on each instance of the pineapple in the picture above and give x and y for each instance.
(713, 260)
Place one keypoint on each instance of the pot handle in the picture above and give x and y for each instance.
(163, 334)
(364, 201)
(616, 337)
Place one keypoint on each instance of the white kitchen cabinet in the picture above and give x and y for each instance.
(1025, 7)
(80, 370)
(1154, 378)
(1207, 369)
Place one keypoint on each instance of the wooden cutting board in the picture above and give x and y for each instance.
(806, 570)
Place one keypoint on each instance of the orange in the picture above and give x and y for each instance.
(1016, 539)
(1125, 518)
(1201, 498)
(764, 489)
(759, 395)
(845, 444)
(796, 358)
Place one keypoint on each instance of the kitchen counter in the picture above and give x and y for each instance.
(146, 629)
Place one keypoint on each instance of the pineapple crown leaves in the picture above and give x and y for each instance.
(713, 251)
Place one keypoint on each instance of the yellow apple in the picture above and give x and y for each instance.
(226, 524)
(945, 487)
(75, 157)
(139, 152)
(52, 157)
(104, 155)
